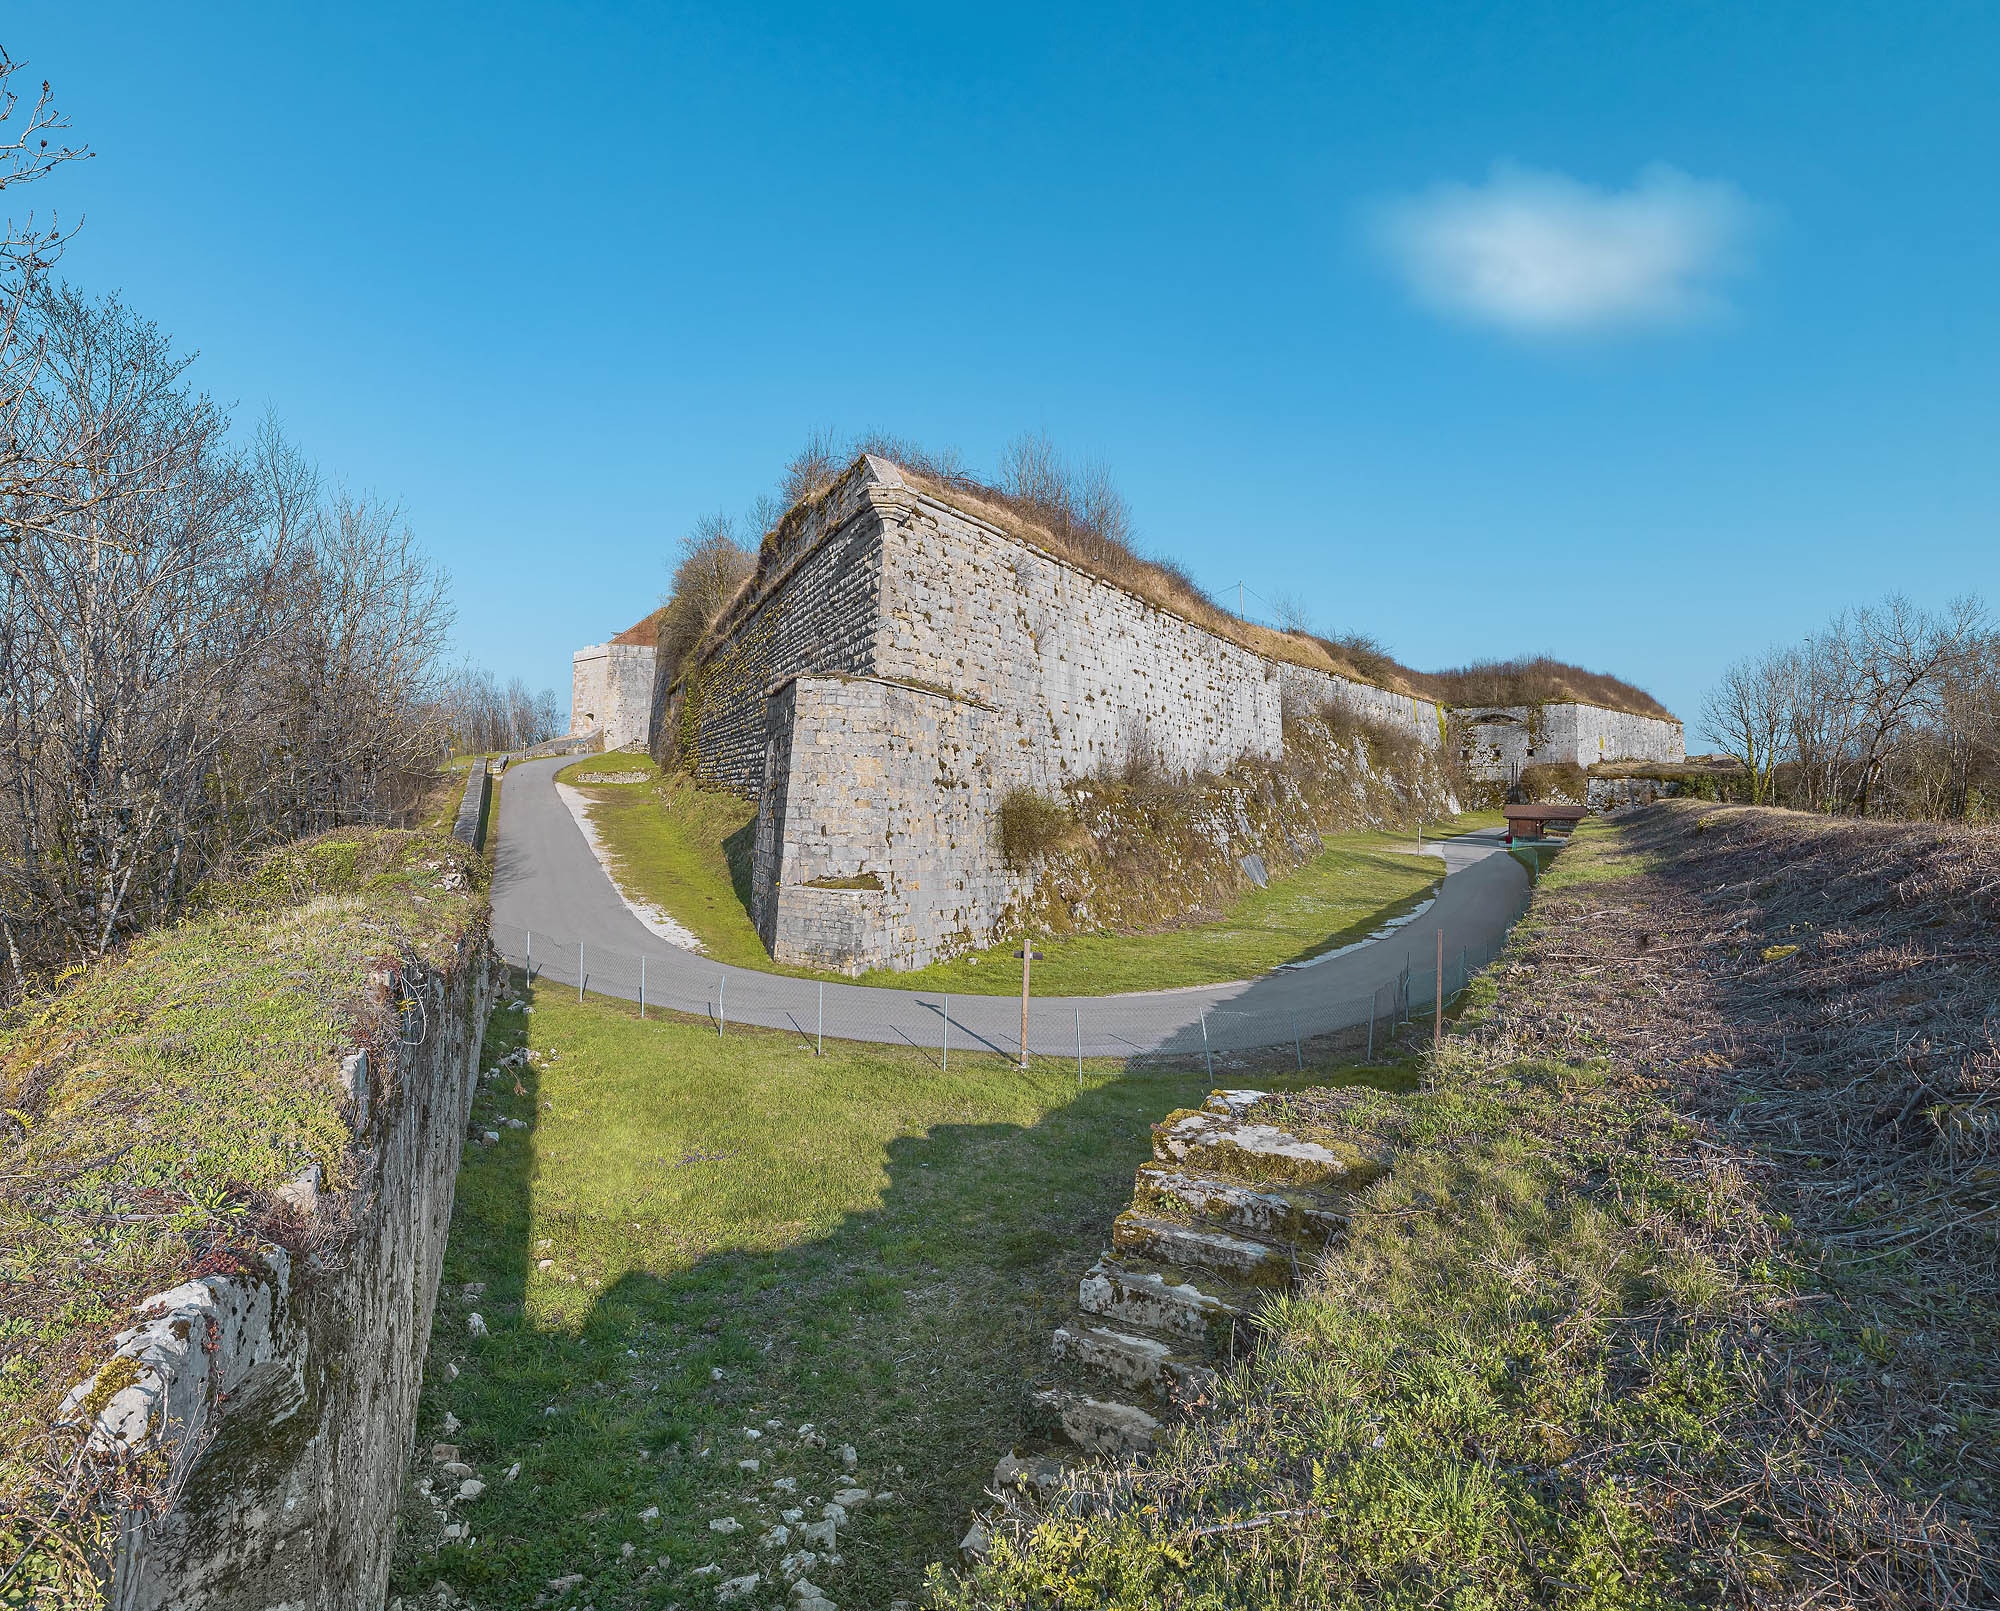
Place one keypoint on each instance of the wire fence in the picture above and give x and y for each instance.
(1276, 1022)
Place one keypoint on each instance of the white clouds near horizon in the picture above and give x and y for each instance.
(1540, 253)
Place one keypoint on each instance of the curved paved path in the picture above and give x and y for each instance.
(550, 896)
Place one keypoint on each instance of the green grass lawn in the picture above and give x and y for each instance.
(741, 1235)
(688, 850)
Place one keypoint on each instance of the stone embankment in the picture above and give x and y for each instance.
(249, 1427)
(1231, 1209)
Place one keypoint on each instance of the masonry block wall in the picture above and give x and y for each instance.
(1497, 741)
(611, 691)
(295, 1416)
(904, 663)
(874, 842)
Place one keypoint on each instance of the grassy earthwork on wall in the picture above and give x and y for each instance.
(743, 1237)
(688, 850)
(153, 1106)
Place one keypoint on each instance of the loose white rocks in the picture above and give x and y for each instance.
(786, 1485)
(849, 1498)
(748, 1465)
(476, 1323)
(777, 1538)
(725, 1524)
(848, 1457)
(736, 1587)
(471, 1488)
(650, 1514)
(513, 1471)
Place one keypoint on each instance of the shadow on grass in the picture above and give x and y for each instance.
(739, 850)
(913, 1329)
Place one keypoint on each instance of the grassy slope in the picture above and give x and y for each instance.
(1569, 1356)
(158, 1100)
(687, 850)
(858, 1241)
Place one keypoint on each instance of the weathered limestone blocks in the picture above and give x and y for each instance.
(611, 690)
(285, 1396)
(1497, 741)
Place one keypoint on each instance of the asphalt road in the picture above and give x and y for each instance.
(555, 909)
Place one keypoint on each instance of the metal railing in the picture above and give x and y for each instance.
(1258, 1027)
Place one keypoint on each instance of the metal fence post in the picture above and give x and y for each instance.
(1374, 996)
(528, 959)
(642, 985)
(822, 1020)
(721, 1003)
(1207, 1056)
(1298, 1052)
(944, 1029)
(1079, 1048)
(579, 970)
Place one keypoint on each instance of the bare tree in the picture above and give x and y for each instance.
(1889, 710)
(28, 250)
(1746, 714)
(125, 637)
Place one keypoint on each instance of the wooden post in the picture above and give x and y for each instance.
(1027, 961)
(1437, 1010)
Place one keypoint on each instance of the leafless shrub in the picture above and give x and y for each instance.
(1889, 710)
(1032, 826)
(201, 651)
(1554, 780)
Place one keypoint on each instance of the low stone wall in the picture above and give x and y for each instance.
(466, 826)
(285, 1396)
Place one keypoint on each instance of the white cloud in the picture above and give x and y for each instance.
(1540, 252)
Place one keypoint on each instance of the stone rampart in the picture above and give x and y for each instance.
(1497, 741)
(611, 692)
(874, 844)
(901, 664)
(286, 1396)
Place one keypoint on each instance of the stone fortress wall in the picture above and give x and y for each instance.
(1497, 741)
(902, 665)
(611, 691)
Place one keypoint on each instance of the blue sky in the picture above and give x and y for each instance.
(1643, 335)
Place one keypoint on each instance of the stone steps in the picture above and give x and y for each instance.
(1133, 1360)
(1163, 1300)
(1213, 1143)
(1230, 1211)
(1102, 1426)
(1274, 1213)
(1245, 1260)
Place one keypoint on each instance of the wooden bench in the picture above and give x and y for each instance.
(1531, 821)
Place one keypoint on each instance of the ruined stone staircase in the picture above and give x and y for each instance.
(1230, 1210)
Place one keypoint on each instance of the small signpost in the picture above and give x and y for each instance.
(1029, 956)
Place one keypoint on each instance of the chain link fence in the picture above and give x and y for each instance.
(1273, 1023)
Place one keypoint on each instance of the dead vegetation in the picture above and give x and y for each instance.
(1536, 680)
